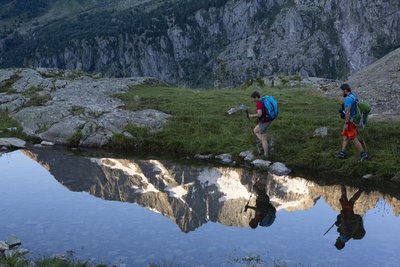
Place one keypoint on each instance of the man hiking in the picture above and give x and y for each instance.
(265, 211)
(349, 129)
(350, 225)
(263, 121)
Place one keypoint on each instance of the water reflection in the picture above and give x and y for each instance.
(194, 195)
(349, 225)
(265, 212)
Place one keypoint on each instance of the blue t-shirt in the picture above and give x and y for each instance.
(350, 102)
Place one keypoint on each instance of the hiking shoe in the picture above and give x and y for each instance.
(364, 156)
(341, 155)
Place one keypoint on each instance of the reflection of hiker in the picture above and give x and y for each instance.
(265, 212)
(349, 129)
(349, 225)
(263, 121)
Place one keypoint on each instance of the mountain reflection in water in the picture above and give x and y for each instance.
(194, 195)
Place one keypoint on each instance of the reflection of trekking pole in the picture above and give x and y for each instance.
(248, 202)
(329, 229)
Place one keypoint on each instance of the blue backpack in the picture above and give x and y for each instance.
(269, 218)
(271, 105)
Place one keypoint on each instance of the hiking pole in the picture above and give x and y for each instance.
(329, 229)
(248, 202)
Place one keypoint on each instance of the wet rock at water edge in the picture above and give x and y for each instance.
(261, 163)
(46, 143)
(321, 132)
(203, 157)
(12, 142)
(225, 158)
(247, 155)
(13, 241)
(279, 169)
(3, 246)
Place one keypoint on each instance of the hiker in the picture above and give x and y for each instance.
(349, 129)
(350, 225)
(263, 121)
(265, 211)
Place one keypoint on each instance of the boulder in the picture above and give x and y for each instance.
(321, 132)
(12, 143)
(204, 157)
(3, 246)
(47, 143)
(12, 241)
(247, 155)
(279, 169)
(225, 158)
(261, 163)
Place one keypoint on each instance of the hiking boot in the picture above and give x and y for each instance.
(341, 155)
(364, 156)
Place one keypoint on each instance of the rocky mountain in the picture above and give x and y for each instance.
(210, 42)
(191, 195)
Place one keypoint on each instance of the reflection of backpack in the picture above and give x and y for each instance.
(356, 222)
(269, 217)
(363, 110)
(271, 105)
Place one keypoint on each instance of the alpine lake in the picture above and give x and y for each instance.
(138, 211)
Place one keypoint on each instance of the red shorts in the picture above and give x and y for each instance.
(351, 132)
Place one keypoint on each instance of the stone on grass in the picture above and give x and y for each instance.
(46, 143)
(225, 158)
(12, 142)
(367, 176)
(261, 163)
(203, 157)
(247, 155)
(321, 132)
(279, 169)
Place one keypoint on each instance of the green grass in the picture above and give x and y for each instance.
(6, 86)
(200, 124)
(7, 122)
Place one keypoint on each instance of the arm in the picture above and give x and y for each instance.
(347, 118)
(257, 115)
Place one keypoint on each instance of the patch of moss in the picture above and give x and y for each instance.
(6, 86)
(74, 139)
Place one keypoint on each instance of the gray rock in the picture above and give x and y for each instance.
(12, 142)
(225, 158)
(13, 241)
(321, 132)
(203, 157)
(261, 163)
(396, 178)
(3, 246)
(247, 155)
(10, 253)
(279, 169)
(12, 129)
(47, 143)
(368, 176)
(22, 251)
(83, 104)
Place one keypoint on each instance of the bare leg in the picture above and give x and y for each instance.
(264, 142)
(358, 145)
(257, 133)
(344, 193)
(356, 196)
(345, 142)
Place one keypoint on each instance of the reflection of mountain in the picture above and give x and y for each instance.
(190, 196)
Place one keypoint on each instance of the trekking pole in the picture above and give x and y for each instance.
(329, 229)
(248, 202)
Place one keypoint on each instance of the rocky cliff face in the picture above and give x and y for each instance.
(191, 196)
(214, 42)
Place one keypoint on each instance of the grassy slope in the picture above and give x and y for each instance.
(200, 124)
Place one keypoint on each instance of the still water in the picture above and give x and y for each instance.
(136, 212)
